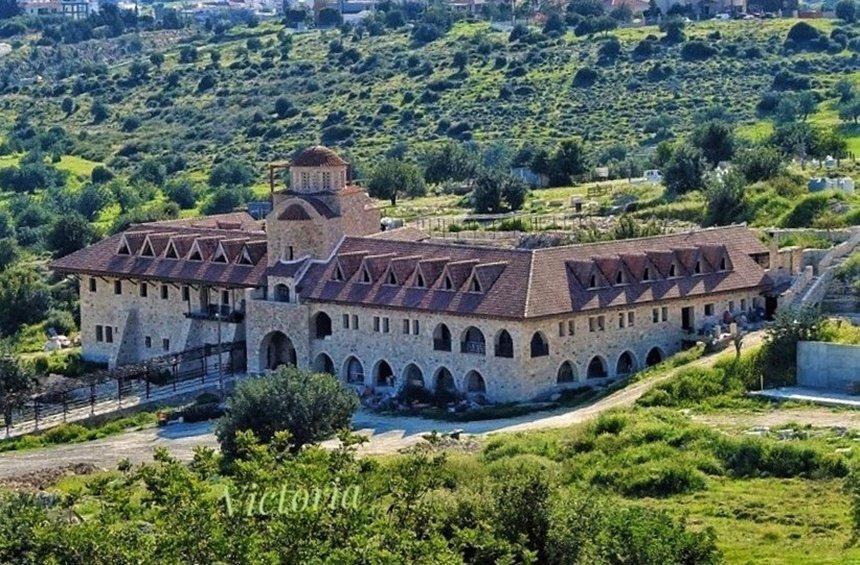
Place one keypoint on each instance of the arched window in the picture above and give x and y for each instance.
(504, 344)
(322, 325)
(473, 341)
(282, 293)
(413, 376)
(626, 364)
(597, 368)
(619, 278)
(277, 349)
(475, 382)
(539, 345)
(442, 338)
(672, 271)
(419, 281)
(566, 374)
(698, 268)
(383, 375)
(353, 371)
(324, 364)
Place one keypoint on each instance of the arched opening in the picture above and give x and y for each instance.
(276, 350)
(597, 368)
(473, 341)
(353, 371)
(475, 382)
(539, 345)
(566, 374)
(413, 376)
(321, 325)
(442, 338)
(654, 356)
(324, 364)
(383, 376)
(282, 293)
(626, 364)
(504, 344)
(444, 381)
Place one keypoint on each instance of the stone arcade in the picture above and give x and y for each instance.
(318, 285)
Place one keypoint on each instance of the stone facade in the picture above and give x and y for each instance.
(126, 327)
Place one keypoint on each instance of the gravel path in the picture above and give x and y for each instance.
(387, 434)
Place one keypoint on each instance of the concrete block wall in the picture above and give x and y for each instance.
(832, 366)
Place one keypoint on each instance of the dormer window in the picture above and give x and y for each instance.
(475, 285)
(619, 278)
(123, 248)
(419, 281)
(220, 256)
(195, 255)
(171, 252)
(365, 276)
(592, 282)
(245, 258)
(391, 278)
(447, 284)
(673, 272)
(146, 251)
(698, 268)
(646, 276)
(338, 274)
(723, 266)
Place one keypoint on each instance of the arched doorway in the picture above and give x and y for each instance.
(597, 368)
(321, 325)
(413, 376)
(566, 374)
(353, 371)
(444, 381)
(654, 356)
(324, 364)
(383, 376)
(276, 350)
(626, 364)
(475, 383)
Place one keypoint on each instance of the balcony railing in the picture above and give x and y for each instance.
(442, 344)
(475, 347)
(222, 312)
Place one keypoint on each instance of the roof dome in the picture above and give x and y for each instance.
(318, 156)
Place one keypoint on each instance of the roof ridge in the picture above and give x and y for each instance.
(643, 238)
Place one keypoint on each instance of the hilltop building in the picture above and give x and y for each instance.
(317, 284)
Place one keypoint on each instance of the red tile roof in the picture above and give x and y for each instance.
(318, 156)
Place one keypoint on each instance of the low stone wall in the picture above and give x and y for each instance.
(831, 366)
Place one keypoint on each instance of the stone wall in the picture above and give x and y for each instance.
(134, 318)
(831, 366)
(506, 379)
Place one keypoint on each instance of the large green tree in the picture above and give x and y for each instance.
(393, 178)
(685, 170)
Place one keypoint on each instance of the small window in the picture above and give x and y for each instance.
(171, 252)
(592, 282)
(723, 266)
(571, 327)
(621, 319)
(186, 294)
(165, 344)
(225, 297)
(392, 279)
(448, 284)
(619, 278)
(601, 323)
(655, 315)
(385, 327)
(592, 324)
(346, 321)
(195, 255)
(646, 276)
(631, 318)
(731, 305)
(698, 268)
(406, 327)
(147, 250)
(664, 313)
(561, 329)
(109, 334)
(416, 327)
(100, 333)
(165, 293)
(419, 281)
(672, 271)
(475, 285)
(376, 323)
(144, 289)
(743, 304)
(147, 341)
(92, 284)
(709, 309)
(365, 276)
(338, 274)
(290, 253)
(117, 287)
(355, 321)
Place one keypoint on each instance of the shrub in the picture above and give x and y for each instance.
(662, 479)
(697, 51)
(584, 77)
(310, 406)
